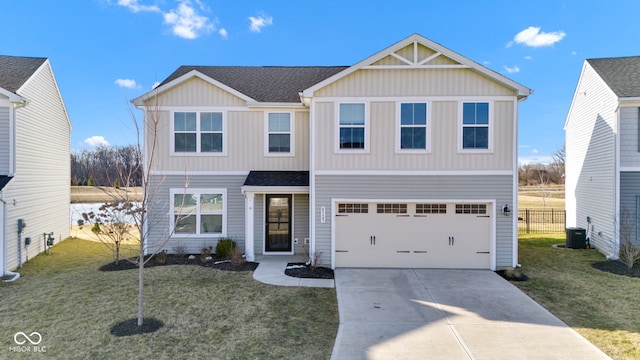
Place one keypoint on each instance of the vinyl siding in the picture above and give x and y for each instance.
(629, 134)
(444, 140)
(245, 142)
(39, 193)
(499, 188)
(5, 136)
(590, 160)
(415, 82)
(196, 92)
(629, 190)
(160, 219)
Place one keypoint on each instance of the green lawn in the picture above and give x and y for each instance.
(207, 313)
(602, 307)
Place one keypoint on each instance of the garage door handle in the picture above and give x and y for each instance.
(372, 240)
(451, 240)
(482, 252)
(403, 215)
(342, 250)
(483, 216)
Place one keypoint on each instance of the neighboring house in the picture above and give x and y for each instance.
(603, 152)
(405, 159)
(34, 160)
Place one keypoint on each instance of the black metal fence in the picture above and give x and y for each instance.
(537, 221)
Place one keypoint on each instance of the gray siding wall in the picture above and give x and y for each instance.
(492, 187)
(5, 137)
(160, 219)
(629, 190)
(629, 134)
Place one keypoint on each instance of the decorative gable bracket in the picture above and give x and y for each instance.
(416, 56)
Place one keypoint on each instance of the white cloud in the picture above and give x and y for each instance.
(512, 70)
(258, 23)
(528, 57)
(526, 160)
(186, 22)
(155, 85)
(127, 83)
(574, 53)
(534, 151)
(223, 33)
(486, 62)
(135, 7)
(96, 141)
(532, 36)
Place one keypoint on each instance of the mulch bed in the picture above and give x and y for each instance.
(130, 327)
(307, 272)
(617, 267)
(512, 275)
(129, 264)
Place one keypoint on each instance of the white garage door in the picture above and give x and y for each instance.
(423, 235)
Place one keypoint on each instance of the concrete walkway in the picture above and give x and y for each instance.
(446, 314)
(271, 271)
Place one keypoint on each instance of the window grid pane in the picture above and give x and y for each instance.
(353, 208)
(392, 208)
(431, 208)
(471, 208)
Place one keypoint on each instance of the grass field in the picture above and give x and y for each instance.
(96, 194)
(602, 307)
(207, 313)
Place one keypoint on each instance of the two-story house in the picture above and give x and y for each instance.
(34, 160)
(405, 159)
(603, 153)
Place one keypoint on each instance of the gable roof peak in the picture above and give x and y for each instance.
(16, 70)
(621, 74)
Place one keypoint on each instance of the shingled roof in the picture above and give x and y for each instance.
(621, 74)
(16, 70)
(264, 83)
(277, 178)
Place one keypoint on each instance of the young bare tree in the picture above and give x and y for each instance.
(629, 251)
(112, 225)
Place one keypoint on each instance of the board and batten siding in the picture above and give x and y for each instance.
(160, 219)
(629, 193)
(5, 134)
(445, 138)
(39, 193)
(195, 92)
(629, 136)
(245, 144)
(477, 187)
(414, 82)
(590, 159)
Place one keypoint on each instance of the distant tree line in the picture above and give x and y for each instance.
(543, 174)
(118, 166)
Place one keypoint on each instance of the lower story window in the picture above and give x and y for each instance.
(199, 211)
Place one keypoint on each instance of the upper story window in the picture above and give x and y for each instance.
(413, 126)
(475, 125)
(198, 211)
(198, 132)
(352, 127)
(279, 130)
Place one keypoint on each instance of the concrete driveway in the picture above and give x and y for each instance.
(446, 314)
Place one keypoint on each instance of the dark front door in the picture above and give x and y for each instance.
(278, 223)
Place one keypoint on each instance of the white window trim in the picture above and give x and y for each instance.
(292, 142)
(198, 191)
(198, 133)
(428, 137)
(336, 133)
(491, 126)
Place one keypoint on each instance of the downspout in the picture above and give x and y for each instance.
(15, 275)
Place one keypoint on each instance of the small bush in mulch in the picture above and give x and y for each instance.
(616, 267)
(130, 327)
(301, 270)
(170, 259)
(512, 275)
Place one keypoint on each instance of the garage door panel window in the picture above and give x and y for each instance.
(353, 208)
(431, 208)
(471, 208)
(392, 208)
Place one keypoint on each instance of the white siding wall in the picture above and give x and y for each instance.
(4, 140)
(629, 134)
(39, 192)
(590, 159)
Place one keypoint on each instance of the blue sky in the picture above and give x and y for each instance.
(107, 52)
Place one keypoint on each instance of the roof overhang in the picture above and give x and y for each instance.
(13, 97)
(139, 102)
(272, 182)
(275, 189)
